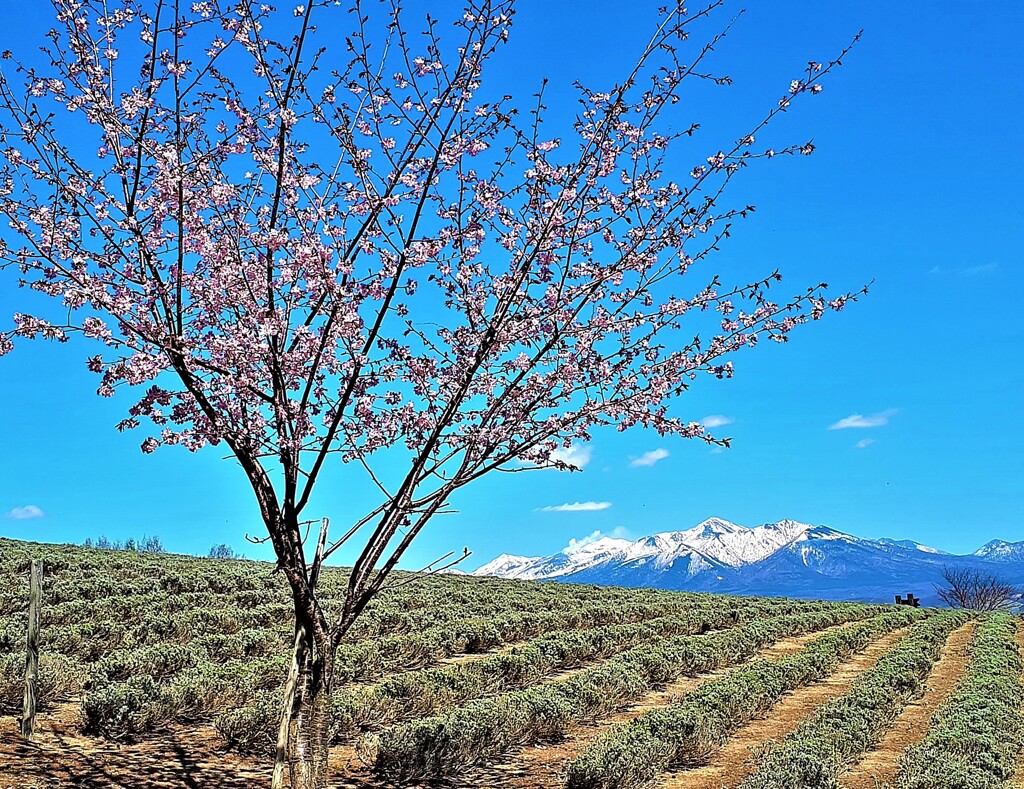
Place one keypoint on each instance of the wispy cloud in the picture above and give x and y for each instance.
(974, 271)
(967, 271)
(716, 420)
(864, 442)
(577, 455)
(578, 506)
(861, 421)
(649, 458)
(25, 513)
(619, 532)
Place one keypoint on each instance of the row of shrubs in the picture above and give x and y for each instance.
(112, 649)
(843, 729)
(370, 659)
(147, 704)
(977, 734)
(75, 574)
(128, 603)
(414, 694)
(85, 630)
(443, 744)
(252, 729)
(699, 722)
(92, 640)
(138, 691)
(400, 611)
(181, 615)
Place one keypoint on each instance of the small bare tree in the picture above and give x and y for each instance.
(978, 590)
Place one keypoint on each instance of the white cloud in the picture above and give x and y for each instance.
(576, 455)
(619, 532)
(716, 420)
(649, 458)
(25, 513)
(864, 442)
(578, 506)
(574, 544)
(860, 421)
(966, 271)
(984, 268)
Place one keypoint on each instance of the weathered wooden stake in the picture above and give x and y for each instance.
(27, 724)
(279, 779)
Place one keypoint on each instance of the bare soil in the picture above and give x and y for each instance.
(60, 757)
(880, 766)
(736, 759)
(543, 766)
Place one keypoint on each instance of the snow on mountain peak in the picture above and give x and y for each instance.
(597, 546)
(910, 545)
(505, 566)
(787, 557)
(713, 541)
(1001, 550)
(716, 526)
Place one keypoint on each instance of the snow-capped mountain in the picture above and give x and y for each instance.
(784, 558)
(911, 544)
(1001, 551)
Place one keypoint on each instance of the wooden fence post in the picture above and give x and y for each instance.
(27, 724)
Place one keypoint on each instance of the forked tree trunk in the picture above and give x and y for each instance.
(309, 716)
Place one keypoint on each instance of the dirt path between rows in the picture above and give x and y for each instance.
(880, 765)
(734, 761)
(195, 758)
(183, 757)
(543, 766)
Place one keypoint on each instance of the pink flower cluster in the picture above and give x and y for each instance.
(373, 255)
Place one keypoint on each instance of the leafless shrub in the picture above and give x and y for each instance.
(977, 590)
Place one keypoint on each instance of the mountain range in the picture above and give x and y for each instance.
(785, 558)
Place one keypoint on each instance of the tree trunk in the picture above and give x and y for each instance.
(309, 725)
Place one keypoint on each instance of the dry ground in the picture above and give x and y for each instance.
(880, 765)
(193, 758)
(733, 762)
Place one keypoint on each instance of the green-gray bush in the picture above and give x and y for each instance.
(699, 722)
(842, 729)
(977, 734)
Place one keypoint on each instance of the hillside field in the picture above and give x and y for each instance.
(166, 671)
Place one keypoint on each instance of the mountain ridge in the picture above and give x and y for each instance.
(787, 557)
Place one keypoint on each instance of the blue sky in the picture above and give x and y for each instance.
(915, 184)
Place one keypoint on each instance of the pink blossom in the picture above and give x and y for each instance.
(393, 268)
